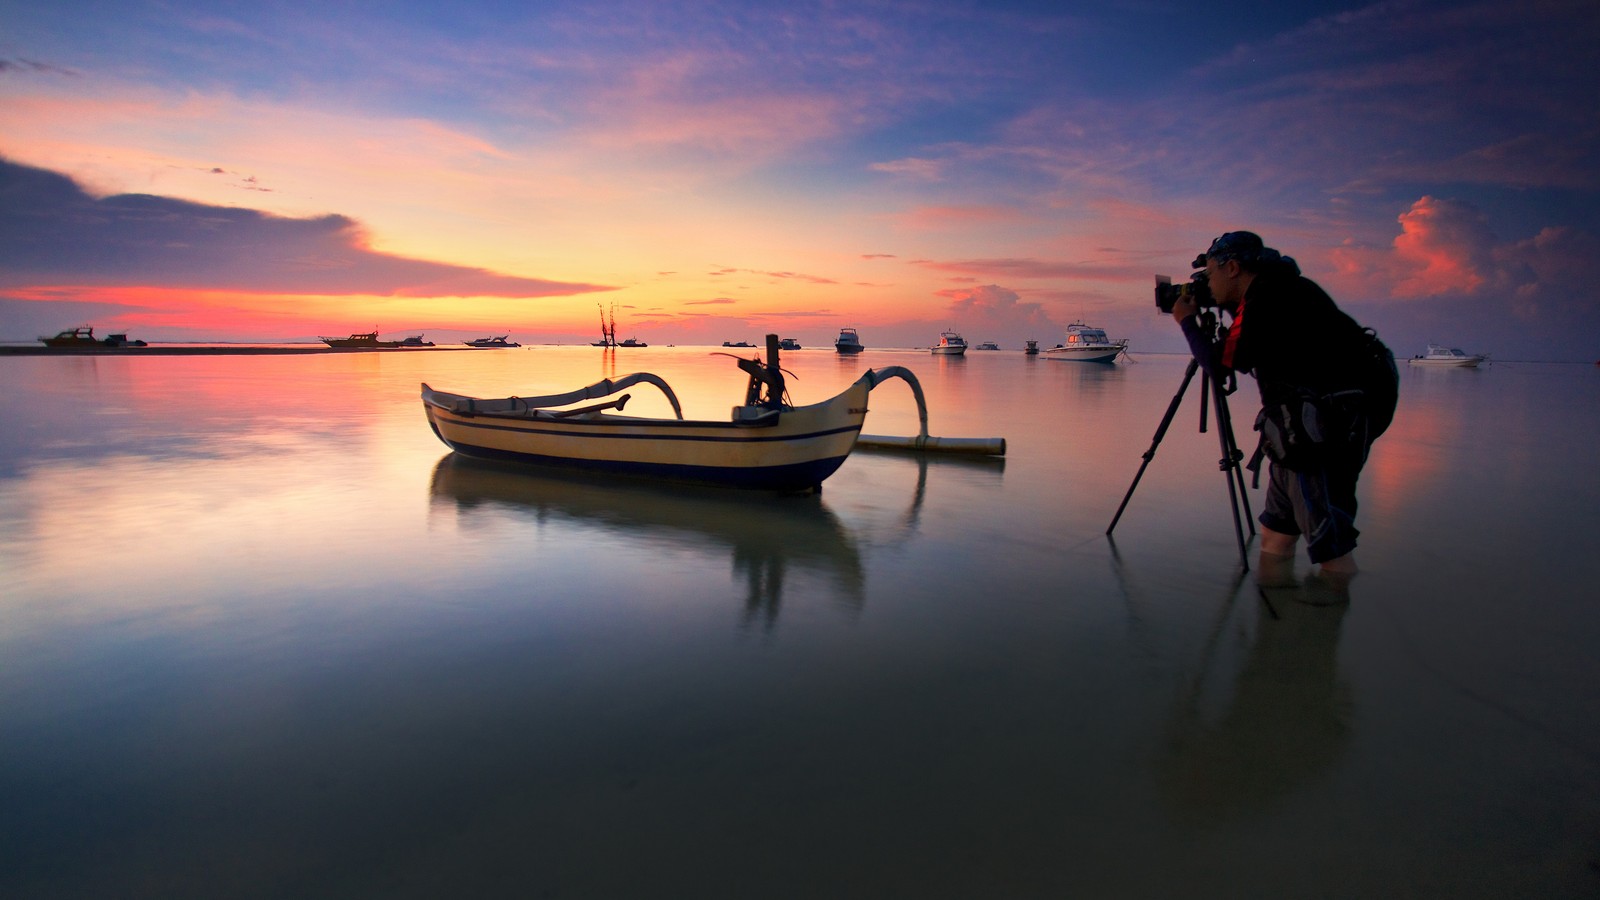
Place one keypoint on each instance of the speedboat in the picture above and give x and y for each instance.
(766, 444)
(848, 341)
(84, 339)
(492, 343)
(988, 345)
(366, 341)
(1086, 344)
(788, 344)
(950, 344)
(1439, 355)
(73, 337)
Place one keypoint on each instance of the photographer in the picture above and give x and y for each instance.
(1328, 388)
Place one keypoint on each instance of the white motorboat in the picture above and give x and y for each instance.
(1087, 344)
(1439, 355)
(950, 344)
(848, 342)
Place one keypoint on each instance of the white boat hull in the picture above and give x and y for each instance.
(1083, 354)
(949, 351)
(1467, 362)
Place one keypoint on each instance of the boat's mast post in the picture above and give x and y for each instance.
(774, 373)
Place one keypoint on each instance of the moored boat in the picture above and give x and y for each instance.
(415, 341)
(1087, 344)
(492, 343)
(848, 341)
(766, 444)
(988, 345)
(365, 341)
(72, 337)
(1032, 349)
(83, 339)
(950, 344)
(788, 344)
(1439, 355)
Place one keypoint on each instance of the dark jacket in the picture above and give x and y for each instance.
(1288, 334)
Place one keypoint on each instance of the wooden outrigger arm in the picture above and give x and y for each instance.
(923, 442)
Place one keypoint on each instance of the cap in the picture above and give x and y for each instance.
(1245, 246)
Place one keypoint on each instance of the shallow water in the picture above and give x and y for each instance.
(262, 635)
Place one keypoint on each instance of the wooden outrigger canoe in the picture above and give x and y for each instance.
(767, 444)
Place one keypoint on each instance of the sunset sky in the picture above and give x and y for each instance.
(717, 171)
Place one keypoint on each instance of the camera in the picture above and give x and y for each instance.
(1197, 287)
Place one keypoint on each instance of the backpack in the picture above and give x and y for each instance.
(1380, 381)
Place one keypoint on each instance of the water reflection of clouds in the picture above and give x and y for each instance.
(768, 538)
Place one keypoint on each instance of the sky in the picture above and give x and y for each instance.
(712, 171)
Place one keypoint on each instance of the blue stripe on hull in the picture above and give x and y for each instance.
(793, 477)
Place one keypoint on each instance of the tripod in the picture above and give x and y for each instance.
(1231, 455)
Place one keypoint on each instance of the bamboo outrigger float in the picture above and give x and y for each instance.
(767, 444)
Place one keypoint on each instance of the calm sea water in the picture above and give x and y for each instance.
(261, 635)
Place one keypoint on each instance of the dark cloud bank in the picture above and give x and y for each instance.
(52, 232)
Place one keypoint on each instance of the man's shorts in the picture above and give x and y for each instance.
(1320, 505)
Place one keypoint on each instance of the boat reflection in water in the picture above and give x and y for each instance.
(770, 537)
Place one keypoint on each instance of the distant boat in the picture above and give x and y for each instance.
(366, 341)
(848, 341)
(632, 342)
(988, 345)
(73, 337)
(788, 344)
(737, 344)
(1032, 350)
(415, 341)
(84, 339)
(1086, 344)
(492, 343)
(950, 344)
(1439, 355)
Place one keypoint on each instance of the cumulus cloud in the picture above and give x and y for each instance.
(991, 307)
(53, 232)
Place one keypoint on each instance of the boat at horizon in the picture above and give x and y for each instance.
(848, 341)
(363, 341)
(988, 345)
(950, 344)
(1440, 355)
(83, 338)
(1087, 344)
(493, 342)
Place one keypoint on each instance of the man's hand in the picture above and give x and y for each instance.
(1184, 307)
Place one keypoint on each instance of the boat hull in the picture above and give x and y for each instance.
(799, 449)
(1083, 354)
(1470, 362)
(949, 351)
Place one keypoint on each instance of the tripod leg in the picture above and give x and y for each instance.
(1229, 464)
(1161, 431)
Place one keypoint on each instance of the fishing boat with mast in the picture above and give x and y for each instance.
(766, 444)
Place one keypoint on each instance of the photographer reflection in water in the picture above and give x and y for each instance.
(1328, 389)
